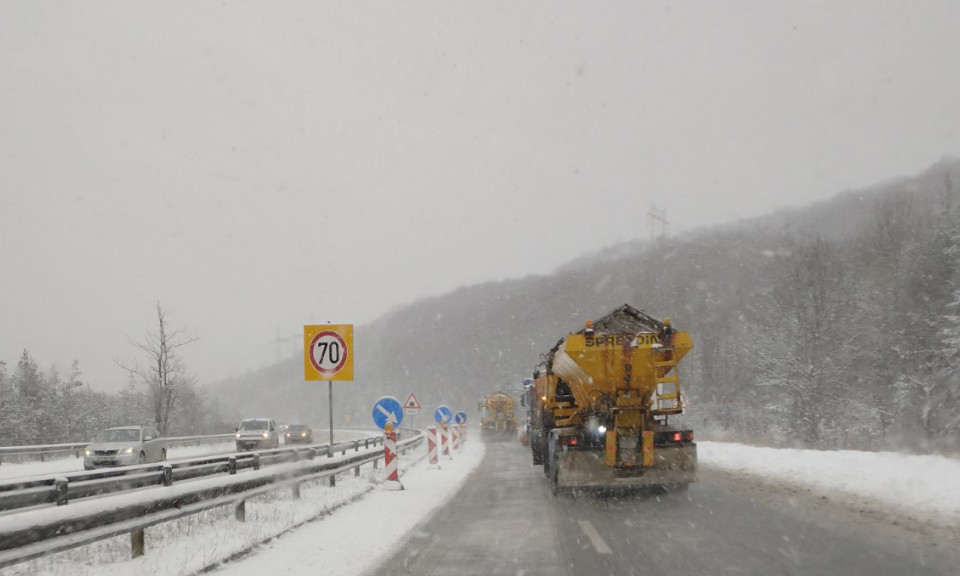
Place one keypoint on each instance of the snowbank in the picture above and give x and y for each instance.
(342, 530)
(923, 487)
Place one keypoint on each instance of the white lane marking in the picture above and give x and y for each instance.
(595, 538)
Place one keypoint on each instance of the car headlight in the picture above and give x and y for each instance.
(238, 435)
(128, 450)
(88, 452)
(304, 434)
(266, 434)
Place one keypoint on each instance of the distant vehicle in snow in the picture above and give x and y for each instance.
(298, 434)
(257, 433)
(125, 446)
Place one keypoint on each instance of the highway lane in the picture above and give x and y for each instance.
(505, 521)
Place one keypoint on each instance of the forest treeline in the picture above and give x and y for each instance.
(49, 408)
(835, 325)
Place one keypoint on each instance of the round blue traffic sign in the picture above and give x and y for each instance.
(387, 409)
(442, 414)
(460, 418)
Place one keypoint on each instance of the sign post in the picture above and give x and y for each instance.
(328, 355)
(412, 407)
(443, 415)
(388, 414)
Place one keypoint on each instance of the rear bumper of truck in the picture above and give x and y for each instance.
(586, 468)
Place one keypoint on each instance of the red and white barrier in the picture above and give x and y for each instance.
(390, 459)
(432, 451)
(455, 430)
(445, 440)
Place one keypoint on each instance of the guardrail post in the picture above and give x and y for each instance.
(61, 484)
(136, 543)
(356, 445)
(311, 454)
(232, 465)
(366, 442)
(256, 461)
(296, 491)
(167, 475)
(356, 471)
(333, 480)
(296, 455)
(41, 457)
(240, 512)
(344, 450)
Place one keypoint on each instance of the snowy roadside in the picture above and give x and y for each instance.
(359, 537)
(325, 530)
(926, 488)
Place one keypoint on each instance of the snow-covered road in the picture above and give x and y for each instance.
(349, 530)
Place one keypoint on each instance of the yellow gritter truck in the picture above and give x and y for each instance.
(601, 401)
(497, 415)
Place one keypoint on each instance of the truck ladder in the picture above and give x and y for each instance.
(668, 384)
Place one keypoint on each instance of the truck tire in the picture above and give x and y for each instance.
(537, 450)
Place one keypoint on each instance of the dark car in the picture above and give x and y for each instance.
(298, 434)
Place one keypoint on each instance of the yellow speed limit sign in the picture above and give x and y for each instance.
(328, 352)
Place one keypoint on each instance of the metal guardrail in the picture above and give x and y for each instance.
(87, 522)
(59, 487)
(77, 447)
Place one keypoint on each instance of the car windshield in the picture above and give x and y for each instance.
(618, 287)
(121, 435)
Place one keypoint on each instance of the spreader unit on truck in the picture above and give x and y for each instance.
(498, 415)
(601, 401)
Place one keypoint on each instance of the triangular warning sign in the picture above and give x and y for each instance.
(412, 403)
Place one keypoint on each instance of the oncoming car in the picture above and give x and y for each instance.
(298, 434)
(125, 446)
(257, 433)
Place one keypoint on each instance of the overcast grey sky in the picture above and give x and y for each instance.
(260, 165)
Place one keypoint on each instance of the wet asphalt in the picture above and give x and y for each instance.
(506, 521)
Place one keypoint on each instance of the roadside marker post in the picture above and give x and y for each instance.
(445, 440)
(390, 459)
(432, 446)
(461, 424)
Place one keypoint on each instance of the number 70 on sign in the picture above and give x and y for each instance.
(328, 352)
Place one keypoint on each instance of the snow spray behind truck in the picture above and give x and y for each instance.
(601, 401)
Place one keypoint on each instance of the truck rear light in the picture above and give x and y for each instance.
(677, 437)
(569, 441)
(688, 436)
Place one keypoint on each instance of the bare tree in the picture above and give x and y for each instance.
(164, 377)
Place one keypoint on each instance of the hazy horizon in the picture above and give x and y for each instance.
(258, 168)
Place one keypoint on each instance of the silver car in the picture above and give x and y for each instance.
(257, 434)
(124, 446)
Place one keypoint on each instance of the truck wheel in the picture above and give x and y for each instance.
(537, 452)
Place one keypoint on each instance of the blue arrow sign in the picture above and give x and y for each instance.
(442, 414)
(387, 409)
(460, 418)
